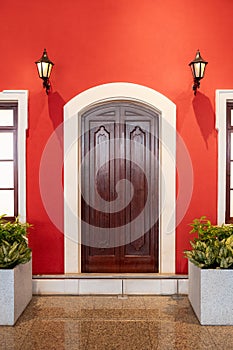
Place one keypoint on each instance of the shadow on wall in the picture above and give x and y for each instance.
(205, 115)
(51, 187)
(56, 104)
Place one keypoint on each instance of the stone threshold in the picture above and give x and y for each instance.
(110, 284)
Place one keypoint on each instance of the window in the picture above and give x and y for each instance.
(224, 103)
(13, 126)
(8, 159)
(229, 163)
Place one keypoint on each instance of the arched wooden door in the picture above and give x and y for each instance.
(119, 185)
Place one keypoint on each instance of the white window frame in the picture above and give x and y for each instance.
(21, 98)
(222, 97)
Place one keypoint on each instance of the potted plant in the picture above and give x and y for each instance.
(15, 270)
(211, 272)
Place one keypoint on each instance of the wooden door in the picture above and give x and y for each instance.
(119, 172)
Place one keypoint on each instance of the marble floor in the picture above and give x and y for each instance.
(111, 322)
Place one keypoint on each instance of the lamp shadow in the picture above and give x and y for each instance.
(55, 105)
(205, 115)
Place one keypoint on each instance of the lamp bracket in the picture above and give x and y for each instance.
(196, 85)
(46, 85)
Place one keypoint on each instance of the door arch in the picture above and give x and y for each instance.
(72, 132)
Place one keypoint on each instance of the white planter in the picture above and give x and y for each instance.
(211, 295)
(15, 292)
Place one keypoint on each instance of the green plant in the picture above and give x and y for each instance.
(14, 248)
(213, 246)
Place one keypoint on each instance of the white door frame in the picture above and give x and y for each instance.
(72, 131)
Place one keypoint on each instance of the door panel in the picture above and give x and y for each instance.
(119, 180)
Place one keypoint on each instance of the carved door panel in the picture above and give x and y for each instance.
(119, 172)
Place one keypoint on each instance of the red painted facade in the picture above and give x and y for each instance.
(92, 42)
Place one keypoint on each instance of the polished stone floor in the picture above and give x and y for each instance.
(111, 322)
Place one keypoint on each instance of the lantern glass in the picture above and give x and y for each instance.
(198, 70)
(44, 69)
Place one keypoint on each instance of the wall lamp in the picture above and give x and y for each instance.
(44, 66)
(198, 66)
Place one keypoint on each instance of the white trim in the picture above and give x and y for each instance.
(167, 111)
(21, 97)
(222, 96)
(111, 286)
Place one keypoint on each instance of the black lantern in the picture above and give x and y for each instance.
(44, 66)
(198, 66)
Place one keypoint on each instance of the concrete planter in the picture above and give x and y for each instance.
(210, 294)
(15, 292)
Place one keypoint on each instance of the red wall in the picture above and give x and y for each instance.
(93, 42)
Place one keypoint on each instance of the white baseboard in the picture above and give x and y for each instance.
(110, 286)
